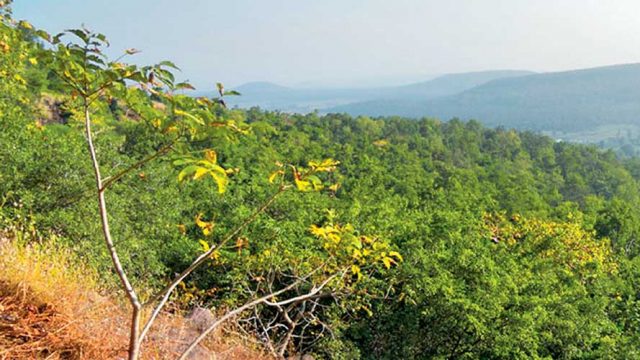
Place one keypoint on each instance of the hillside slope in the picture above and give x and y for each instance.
(567, 101)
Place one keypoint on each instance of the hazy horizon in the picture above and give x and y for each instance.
(354, 43)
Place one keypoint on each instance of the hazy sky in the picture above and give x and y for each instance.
(354, 42)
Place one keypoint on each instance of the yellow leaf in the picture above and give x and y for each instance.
(19, 78)
(303, 185)
(205, 245)
(33, 61)
(200, 172)
(387, 262)
(396, 255)
(275, 175)
(326, 165)
(211, 156)
(355, 269)
(189, 116)
(206, 227)
(334, 187)
(215, 255)
(171, 129)
(317, 231)
(220, 176)
(26, 25)
(381, 143)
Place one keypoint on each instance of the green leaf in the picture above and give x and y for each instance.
(82, 34)
(184, 86)
(316, 183)
(181, 162)
(231, 93)
(187, 171)
(168, 64)
(44, 35)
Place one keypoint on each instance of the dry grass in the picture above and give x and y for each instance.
(50, 309)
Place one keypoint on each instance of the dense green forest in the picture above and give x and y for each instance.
(513, 245)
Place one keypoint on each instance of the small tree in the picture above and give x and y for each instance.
(92, 80)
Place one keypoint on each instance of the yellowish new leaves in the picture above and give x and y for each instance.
(205, 226)
(211, 156)
(381, 143)
(360, 251)
(275, 175)
(566, 243)
(199, 168)
(306, 179)
(327, 165)
(215, 255)
(205, 245)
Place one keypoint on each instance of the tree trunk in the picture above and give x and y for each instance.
(134, 347)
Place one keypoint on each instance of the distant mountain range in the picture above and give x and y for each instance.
(566, 101)
(276, 97)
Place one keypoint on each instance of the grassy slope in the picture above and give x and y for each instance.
(51, 308)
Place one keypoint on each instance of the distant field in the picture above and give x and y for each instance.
(598, 134)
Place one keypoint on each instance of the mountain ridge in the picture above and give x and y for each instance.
(563, 100)
(272, 96)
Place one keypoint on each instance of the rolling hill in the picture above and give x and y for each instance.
(562, 101)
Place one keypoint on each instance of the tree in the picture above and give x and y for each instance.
(151, 94)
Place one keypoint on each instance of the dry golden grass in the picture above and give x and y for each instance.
(50, 309)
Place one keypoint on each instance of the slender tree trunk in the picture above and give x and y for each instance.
(134, 346)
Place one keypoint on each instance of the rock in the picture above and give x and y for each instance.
(158, 105)
(201, 318)
(52, 110)
(8, 318)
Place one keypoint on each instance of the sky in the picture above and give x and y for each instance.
(353, 43)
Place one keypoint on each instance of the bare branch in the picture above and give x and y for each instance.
(164, 294)
(311, 294)
(244, 307)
